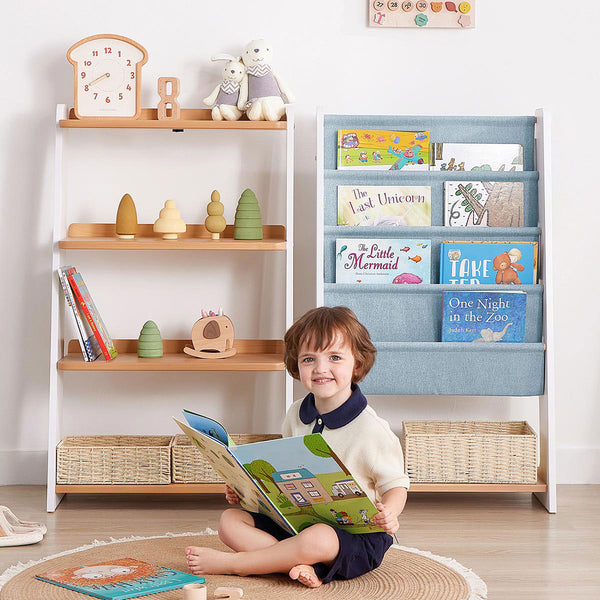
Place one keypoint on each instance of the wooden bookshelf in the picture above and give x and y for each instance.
(102, 236)
(191, 118)
(252, 355)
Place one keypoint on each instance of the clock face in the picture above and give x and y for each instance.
(107, 76)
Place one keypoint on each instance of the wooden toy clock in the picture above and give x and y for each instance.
(108, 71)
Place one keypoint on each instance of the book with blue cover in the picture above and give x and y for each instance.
(119, 579)
(487, 262)
(471, 316)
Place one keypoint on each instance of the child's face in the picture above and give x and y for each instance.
(327, 373)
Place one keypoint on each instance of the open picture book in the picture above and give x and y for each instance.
(296, 481)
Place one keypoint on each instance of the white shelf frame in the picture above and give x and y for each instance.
(58, 344)
(547, 401)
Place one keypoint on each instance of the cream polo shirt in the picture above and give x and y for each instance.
(364, 442)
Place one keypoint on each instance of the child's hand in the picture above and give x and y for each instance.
(231, 496)
(386, 519)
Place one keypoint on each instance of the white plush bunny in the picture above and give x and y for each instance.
(263, 94)
(224, 98)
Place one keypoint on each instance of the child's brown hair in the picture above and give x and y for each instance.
(318, 329)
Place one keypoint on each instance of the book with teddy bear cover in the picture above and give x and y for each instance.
(485, 262)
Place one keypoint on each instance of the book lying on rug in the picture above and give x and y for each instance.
(383, 150)
(483, 316)
(475, 157)
(484, 203)
(397, 205)
(119, 579)
(390, 260)
(483, 262)
(296, 481)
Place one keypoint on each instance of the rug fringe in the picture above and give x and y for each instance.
(16, 569)
(478, 588)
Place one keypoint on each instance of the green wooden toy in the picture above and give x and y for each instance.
(248, 220)
(215, 222)
(150, 343)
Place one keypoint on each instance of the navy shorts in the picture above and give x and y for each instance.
(359, 552)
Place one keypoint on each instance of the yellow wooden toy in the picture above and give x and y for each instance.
(212, 337)
(215, 222)
(126, 218)
(169, 221)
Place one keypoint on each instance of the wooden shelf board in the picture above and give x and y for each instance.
(191, 118)
(540, 486)
(252, 355)
(170, 488)
(102, 236)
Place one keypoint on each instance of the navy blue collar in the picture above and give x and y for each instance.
(337, 418)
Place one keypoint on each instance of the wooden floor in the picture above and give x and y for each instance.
(509, 540)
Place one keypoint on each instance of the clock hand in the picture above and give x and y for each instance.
(99, 79)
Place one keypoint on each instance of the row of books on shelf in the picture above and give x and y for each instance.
(93, 336)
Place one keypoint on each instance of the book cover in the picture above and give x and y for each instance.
(382, 260)
(480, 262)
(401, 205)
(89, 346)
(475, 157)
(484, 203)
(93, 316)
(483, 316)
(119, 579)
(296, 481)
(383, 150)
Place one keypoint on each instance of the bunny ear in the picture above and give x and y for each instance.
(223, 57)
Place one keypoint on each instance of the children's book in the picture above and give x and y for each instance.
(89, 346)
(119, 579)
(483, 316)
(488, 262)
(382, 260)
(401, 205)
(383, 150)
(93, 316)
(475, 157)
(484, 203)
(296, 481)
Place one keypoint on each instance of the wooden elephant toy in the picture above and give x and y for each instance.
(212, 337)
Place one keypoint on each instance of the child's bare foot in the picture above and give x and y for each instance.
(206, 561)
(306, 575)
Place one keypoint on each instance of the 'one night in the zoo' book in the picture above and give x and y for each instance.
(483, 316)
(488, 262)
(119, 579)
(383, 150)
(296, 481)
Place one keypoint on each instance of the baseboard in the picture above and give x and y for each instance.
(575, 465)
(23, 467)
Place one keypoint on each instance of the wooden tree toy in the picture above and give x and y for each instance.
(126, 218)
(248, 220)
(150, 343)
(215, 222)
(168, 99)
(212, 337)
(169, 221)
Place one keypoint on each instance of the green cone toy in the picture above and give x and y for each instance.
(248, 221)
(150, 342)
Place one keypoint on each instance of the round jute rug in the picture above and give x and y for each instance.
(405, 573)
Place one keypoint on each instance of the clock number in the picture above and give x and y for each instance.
(128, 88)
(107, 50)
(94, 52)
(128, 62)
(119, 53)
(86, 88)
(120, 96)
(87, 63)
(132, 75)
(95, 94)
(107, 100)
(82, 74)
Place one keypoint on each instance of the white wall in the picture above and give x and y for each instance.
(521, 56)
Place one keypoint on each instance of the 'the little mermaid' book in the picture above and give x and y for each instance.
(296, 481)
(383, 150)
(119, 579)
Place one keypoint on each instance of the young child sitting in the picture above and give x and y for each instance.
(329, 351)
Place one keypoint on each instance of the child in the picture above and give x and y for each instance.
(329, 351)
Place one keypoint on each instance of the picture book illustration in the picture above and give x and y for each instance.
(383, 150)
(399, 205)
(475, 157)
(119, 579)
(391, 260)
(480, 262)
(484, 203)
(296, 481)
(483, 316)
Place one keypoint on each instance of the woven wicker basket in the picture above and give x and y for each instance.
(470, 452)
(189, 466)
(114, 459)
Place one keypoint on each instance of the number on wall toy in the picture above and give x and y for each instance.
(168, 90)
(422, 14)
